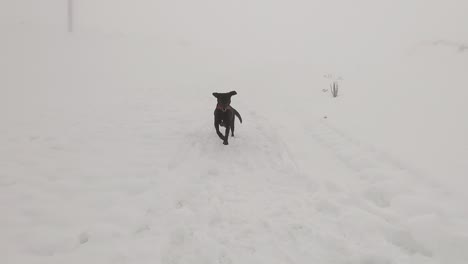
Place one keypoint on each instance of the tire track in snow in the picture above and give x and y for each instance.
(370, 165)
(388, 189)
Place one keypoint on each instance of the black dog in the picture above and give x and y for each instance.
(224, 115)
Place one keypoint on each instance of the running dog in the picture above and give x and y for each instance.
(224, 115)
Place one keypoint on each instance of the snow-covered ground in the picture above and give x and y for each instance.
(108, 152)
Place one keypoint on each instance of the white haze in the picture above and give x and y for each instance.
(108, 152)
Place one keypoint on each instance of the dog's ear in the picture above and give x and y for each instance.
(216, 95)
(232, 93)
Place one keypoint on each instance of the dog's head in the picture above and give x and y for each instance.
(224, 99)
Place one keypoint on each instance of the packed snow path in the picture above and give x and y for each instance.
(148, 186)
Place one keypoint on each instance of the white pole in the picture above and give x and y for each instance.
(70, 16)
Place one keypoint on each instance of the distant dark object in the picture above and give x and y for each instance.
(460, 46)
(325, 117)
(224, 115)
(334, 89)
(70, 14)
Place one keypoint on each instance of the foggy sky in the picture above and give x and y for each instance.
(295, 30)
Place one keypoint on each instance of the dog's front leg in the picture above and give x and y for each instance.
(216, 124)
(226, 135)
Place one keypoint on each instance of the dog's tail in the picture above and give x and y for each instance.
(238, 115)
